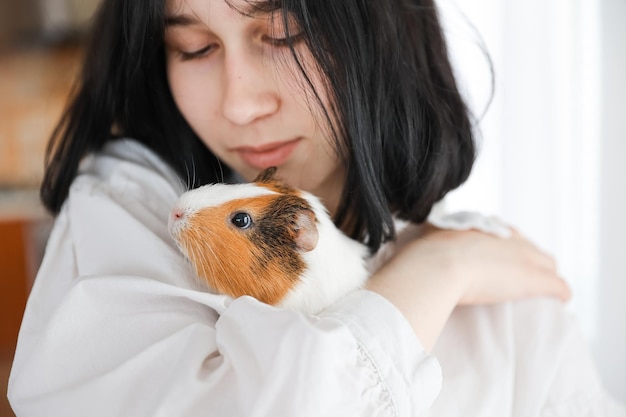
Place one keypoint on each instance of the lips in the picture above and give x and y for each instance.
(267, 155)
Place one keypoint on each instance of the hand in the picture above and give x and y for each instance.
(492, 269)
(430, 275)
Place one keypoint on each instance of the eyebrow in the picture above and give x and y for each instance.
(181, 20)
(254, 8)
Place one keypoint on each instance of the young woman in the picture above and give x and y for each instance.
(354, 101)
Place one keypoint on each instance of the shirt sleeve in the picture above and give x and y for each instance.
(117, 325)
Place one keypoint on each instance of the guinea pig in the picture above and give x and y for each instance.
(269, 241)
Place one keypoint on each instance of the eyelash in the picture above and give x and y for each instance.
(286, 41)
(187, 56)
(277, 42)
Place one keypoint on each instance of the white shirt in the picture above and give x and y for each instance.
(117, 325)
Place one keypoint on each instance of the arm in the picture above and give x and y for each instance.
(461, 268)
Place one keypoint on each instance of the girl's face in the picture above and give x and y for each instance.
(235, 82)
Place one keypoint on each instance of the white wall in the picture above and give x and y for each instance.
(552, 145)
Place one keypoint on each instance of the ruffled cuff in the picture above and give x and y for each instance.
(411, 375)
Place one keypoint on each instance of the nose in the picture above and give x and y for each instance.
(250, 91)
(177, 213)
(176, 220)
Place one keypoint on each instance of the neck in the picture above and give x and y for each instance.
(330, 191)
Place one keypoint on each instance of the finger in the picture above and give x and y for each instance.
(539, 257)
(560, 288)
(550, 284)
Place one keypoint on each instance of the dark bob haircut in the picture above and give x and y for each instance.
(401, 125)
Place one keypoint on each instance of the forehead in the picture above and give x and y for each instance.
(213, 195)
(241, 7)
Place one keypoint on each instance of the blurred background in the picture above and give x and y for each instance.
(551, 153)
(40, 49)
(553, 146)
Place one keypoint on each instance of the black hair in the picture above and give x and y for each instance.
(399, 120)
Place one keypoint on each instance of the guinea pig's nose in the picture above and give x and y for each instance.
(176, 220)
(178, 214)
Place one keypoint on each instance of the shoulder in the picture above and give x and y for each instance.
(117, 212)
(128, 164)
(125, 177)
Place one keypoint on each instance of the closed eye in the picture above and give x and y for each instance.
(286, 41)
(282, 29)
(200, 53)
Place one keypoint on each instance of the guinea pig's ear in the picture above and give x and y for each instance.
(268, 179)
(266, 176)
(304, 231)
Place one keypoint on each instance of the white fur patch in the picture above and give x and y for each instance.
(218, 194)
(335, 267)
(210, 195)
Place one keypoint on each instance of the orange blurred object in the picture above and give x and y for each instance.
(34, 86)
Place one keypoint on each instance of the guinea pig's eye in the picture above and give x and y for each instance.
(241, 220)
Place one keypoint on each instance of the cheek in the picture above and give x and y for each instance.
(194, 96)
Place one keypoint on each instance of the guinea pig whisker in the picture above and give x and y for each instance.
(197, 278)
(184, 185)
(219, 164)
(217, 262)
(197, 253)
(187, 251)
(193, 163)
(208, 264)
(188, 185)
